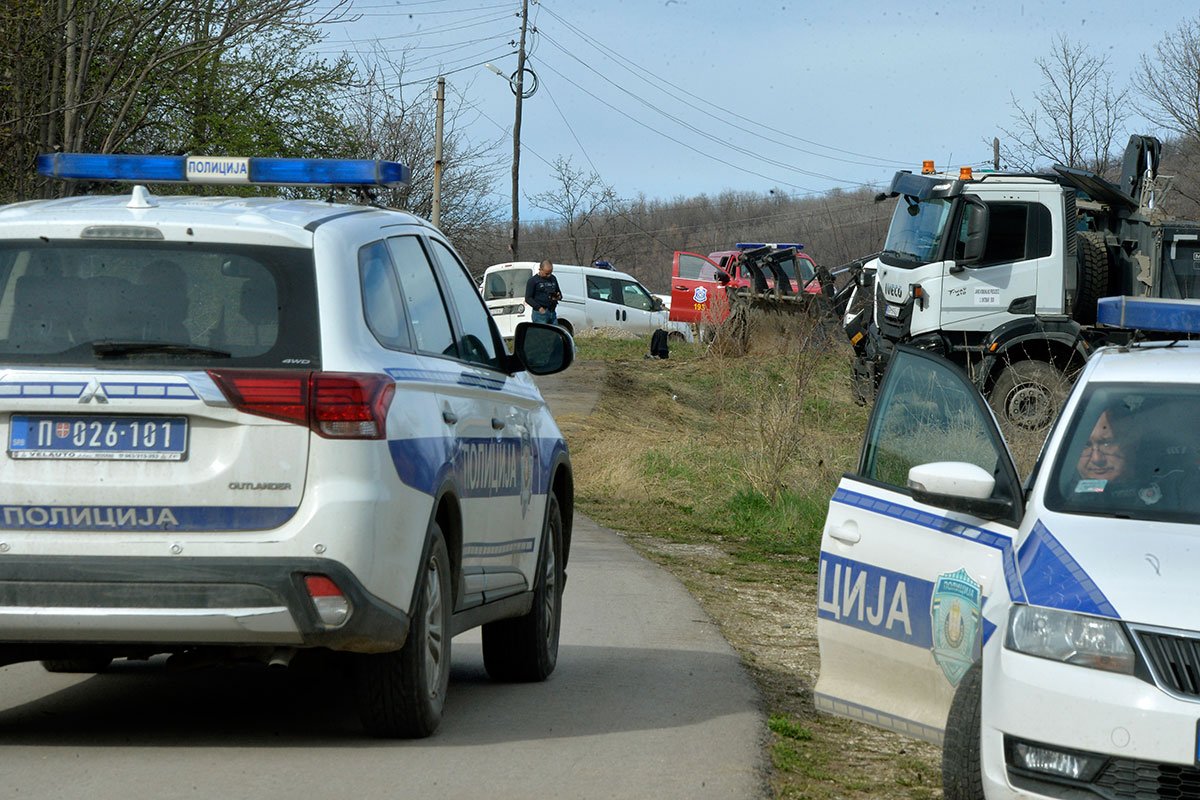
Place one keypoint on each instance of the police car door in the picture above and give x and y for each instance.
(904, 581)
(494, 463)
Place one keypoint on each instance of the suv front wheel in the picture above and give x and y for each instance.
(525, 648)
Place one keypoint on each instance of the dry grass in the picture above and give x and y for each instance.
(677, 454)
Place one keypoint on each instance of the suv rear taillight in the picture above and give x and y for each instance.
(336, 405)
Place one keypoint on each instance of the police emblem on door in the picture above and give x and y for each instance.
(700, 296)
(955, 611)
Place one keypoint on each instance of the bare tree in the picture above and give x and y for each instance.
(1169, 83)
(100, 75)
(387, 125)
(1076, 117)
(587, 210)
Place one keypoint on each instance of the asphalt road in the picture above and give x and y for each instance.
(648, 701)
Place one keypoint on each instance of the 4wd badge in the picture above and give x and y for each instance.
(955, 616)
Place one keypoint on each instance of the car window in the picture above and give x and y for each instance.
(476, 341)
(926, 413)
(602, 289)
(77, 302)
(1131, 450)
(382, 306)
(503, 283)
(422, 297)
(696, 268)
(635, 296)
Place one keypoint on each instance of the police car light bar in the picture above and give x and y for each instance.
(222, 170)
(775, 245)
(1149, 314)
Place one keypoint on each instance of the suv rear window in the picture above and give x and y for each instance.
(89, 303)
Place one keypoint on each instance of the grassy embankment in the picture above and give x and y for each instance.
(719, 466)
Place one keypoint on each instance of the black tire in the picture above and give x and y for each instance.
(77, 665)
(401, 694)
(525, 649)
(675, 337)
(962, 768)
(1093, 276)
(1029, 395)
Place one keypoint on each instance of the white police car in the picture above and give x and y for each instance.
(1047, 635)
(246, 428)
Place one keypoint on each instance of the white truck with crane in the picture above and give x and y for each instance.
(1000, 273)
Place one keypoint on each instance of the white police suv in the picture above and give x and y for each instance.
(246, 428)
(1046, 634)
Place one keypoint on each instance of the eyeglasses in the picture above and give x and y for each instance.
(1105, 447)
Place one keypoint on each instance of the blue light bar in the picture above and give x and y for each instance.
(222, 170)
(1149, 314)
(776, 245)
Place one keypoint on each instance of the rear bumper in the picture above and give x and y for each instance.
(181, 602)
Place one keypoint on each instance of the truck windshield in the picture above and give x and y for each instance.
(916, 239)
(1131, 452)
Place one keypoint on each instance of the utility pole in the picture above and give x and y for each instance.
(518, 90)
(436, 214)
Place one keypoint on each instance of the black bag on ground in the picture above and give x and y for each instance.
(658, 344)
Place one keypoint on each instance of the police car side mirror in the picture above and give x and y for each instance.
(958, 486)
(542, 349)
(723, 278)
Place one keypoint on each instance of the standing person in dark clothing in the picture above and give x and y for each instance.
(542, 294)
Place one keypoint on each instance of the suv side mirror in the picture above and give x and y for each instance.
(723, 278)
(542, 349)
(656, 303)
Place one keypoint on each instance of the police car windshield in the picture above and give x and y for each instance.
(1132, 451)
(87, 302)
(915, 235)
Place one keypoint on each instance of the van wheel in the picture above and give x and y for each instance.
(525, 649)
(566, 326)
(962, 776)
(402, 694)
(675, 337)
(1029, 394)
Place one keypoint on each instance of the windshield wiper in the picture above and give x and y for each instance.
(901, 256)
(114, 349)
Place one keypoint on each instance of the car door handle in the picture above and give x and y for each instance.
(847, 533)
(497, 424)
(681, 288)
(449, 417)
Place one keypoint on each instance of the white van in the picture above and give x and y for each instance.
(591, 298)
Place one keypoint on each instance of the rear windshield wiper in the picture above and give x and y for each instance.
(114, 349)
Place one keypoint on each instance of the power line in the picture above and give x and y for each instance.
(628, 64)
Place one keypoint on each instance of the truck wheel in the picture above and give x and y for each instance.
(1028, 394)
(401, 694)
(1093, 276)
(525, 649)
(962, 776)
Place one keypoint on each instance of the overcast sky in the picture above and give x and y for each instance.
(675, 98)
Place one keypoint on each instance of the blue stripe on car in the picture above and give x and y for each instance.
(143, 518)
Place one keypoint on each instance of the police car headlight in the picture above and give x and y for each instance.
(1072, 638)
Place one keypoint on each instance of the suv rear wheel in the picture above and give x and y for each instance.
(401, 694)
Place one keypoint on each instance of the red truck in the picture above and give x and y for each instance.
(769, 274)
